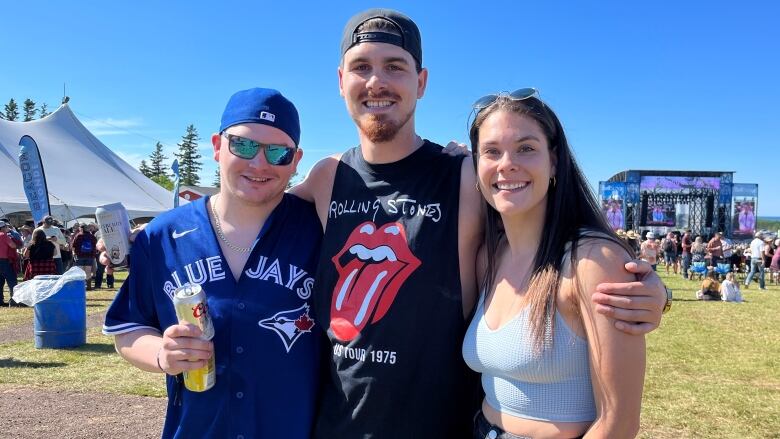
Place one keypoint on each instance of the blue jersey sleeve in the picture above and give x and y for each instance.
(134, 307)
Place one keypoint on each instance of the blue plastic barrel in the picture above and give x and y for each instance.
(61, 320)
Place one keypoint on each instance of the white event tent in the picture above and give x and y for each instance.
(81, 172)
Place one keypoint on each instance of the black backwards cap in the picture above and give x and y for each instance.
(409, 39)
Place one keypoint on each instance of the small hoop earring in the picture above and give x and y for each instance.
(476, 185)
(552, 181)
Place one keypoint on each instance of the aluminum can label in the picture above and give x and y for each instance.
(191, 306)
(114, 227)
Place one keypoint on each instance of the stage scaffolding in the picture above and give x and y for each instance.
(703, 201)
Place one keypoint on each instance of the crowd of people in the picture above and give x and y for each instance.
(49, 249)
(720, 258)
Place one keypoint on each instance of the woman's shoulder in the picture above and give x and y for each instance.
(598, 252)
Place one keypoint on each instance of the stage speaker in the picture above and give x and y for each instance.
(709, 210)
(643, 210)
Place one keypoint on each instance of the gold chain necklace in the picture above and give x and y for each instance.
(221, 235)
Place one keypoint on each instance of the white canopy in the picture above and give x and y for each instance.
(81, 172)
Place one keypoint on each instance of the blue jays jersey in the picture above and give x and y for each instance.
(266, 347)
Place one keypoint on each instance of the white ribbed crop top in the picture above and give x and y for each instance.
(554, 385)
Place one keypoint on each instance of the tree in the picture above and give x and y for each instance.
(44, 111)
(217, 179)
(164, 181)
(29, 110)
(145, 169)
(157, 166)
(11, 110)
(188, 156)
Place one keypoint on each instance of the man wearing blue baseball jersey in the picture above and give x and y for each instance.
(253, 249)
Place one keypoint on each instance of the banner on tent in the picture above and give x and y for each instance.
(33, 178)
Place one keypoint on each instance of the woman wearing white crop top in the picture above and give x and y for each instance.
(551, 366)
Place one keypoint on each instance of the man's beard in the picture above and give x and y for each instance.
(380, 129)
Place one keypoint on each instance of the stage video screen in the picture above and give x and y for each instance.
(660, 215)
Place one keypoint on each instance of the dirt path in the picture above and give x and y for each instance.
(29, 412)
(39, 413)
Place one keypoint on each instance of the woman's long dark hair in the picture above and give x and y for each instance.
(571, 211)
(38, 237)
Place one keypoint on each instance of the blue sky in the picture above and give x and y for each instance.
(657, 85)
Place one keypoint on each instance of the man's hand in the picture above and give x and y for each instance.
(183, 349)
(456, 149)
(635, 305)
(103, 257)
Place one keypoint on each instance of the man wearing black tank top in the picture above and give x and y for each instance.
(396, 282)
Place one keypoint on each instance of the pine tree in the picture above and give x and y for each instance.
(156, 160)
(164, 181)
(217, 179)
(145, 169)
(44, 111)
(11, 110)
(29, 110)
(188, 156)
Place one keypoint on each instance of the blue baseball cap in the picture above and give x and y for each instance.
(264, 106)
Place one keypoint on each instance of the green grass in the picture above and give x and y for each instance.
(89, 368)
(713, 368)
(97, 301)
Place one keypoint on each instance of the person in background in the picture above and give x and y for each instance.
(26, 233)
(84, 248)
(728, 249)
(686, 243)
(729, 289)
(649, 250)
(769, 252)
(8, 247)
(103, 268)
(710, 288)
(669, 246)
(774, 265)
(632, 238)
(698, 250)
(40, 255)
(756, 261)
(715, 249)
(54, 234)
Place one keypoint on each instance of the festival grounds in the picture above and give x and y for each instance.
(713, 372)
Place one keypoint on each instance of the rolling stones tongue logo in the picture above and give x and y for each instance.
(372, 266)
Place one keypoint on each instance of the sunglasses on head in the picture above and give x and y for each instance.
(277, 155)
(517, 95)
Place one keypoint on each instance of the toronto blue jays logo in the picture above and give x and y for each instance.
(289, 325)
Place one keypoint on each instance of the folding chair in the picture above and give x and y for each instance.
(699, 268)
(722, 269)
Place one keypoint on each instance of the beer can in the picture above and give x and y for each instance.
(114, 227)
(190, 303)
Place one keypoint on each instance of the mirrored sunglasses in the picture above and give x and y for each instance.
(277, 155)
(517, 95)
